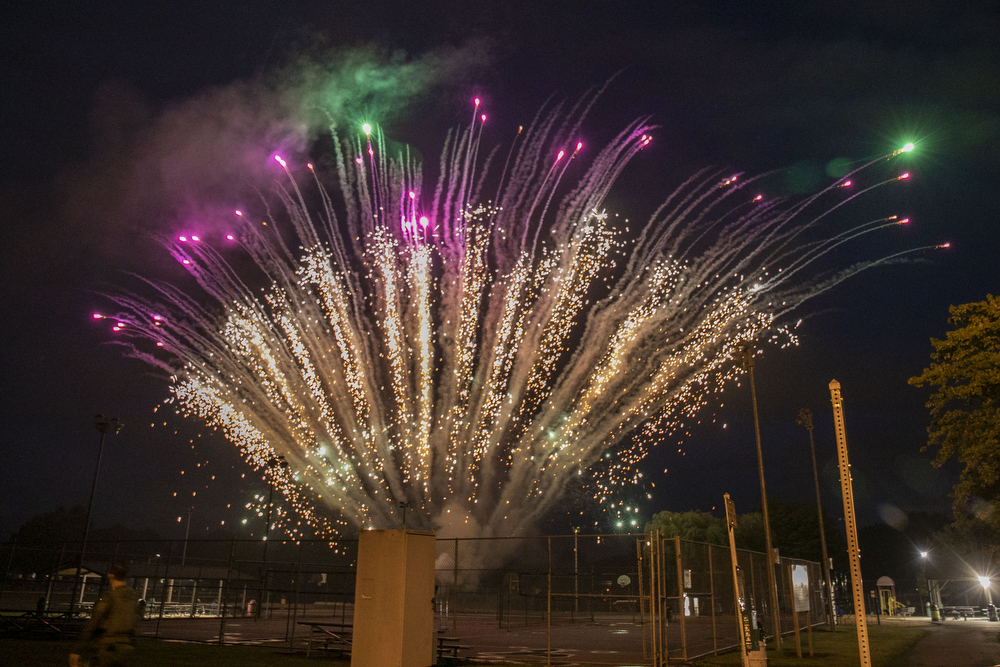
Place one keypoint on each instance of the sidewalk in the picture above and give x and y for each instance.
(971, 643)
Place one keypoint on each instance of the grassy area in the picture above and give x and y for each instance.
(889, 646)
(153, 653)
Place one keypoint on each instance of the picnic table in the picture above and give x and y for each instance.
(330, 633)
(448, 647)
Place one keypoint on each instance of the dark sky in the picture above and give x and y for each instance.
(109, 108)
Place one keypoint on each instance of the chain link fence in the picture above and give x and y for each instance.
(590, 599)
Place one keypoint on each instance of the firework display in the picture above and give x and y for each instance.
(474, 348)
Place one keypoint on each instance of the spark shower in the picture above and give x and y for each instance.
(471, 348)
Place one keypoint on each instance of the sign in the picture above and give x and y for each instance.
(800, 587)
(687, 579)
(624, 580)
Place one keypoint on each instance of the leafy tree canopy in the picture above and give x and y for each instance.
(695, 526)
(965, 407)
(794, 530)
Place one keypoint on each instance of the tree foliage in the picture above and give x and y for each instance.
(965, 406)
(794, 530)
(695, 526)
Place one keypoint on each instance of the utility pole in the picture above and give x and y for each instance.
(853, 547)
(772, 585)
(104, 426)
(806, 420)
(187, 533)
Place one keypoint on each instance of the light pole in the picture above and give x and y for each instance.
(576, 572)
(187, 533)
(104, 425)
(748, 365)
(923, 575)
(805, 420)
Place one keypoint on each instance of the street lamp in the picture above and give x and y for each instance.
(104, 425)
(985, 581)
(805, 419)
(923, 577)
(748, 364)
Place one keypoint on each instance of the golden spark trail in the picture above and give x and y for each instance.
(471, 357)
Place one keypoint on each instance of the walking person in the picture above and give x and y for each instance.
(107, 638)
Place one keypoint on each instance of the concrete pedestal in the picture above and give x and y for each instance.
(394, 600)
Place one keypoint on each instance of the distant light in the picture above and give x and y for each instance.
(985, 581)
(923, 554)
(366, 128)
(907, 148)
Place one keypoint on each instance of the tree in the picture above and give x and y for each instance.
(695, 526)
(965, 407)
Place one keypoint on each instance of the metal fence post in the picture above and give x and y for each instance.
(661, 594)
(454, 594)
(6, 572)
(298, 575)
(711, 589)
(163, 597)
(680, 598)
(548, 613)
(225, 599)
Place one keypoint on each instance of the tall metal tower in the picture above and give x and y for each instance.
(853, 548)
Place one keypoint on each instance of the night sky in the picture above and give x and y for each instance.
(121, 120)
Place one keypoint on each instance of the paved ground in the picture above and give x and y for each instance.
(972, 643)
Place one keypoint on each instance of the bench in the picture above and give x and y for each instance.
(333, 635)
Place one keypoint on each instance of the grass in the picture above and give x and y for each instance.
(890, 644)
(155, 653)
